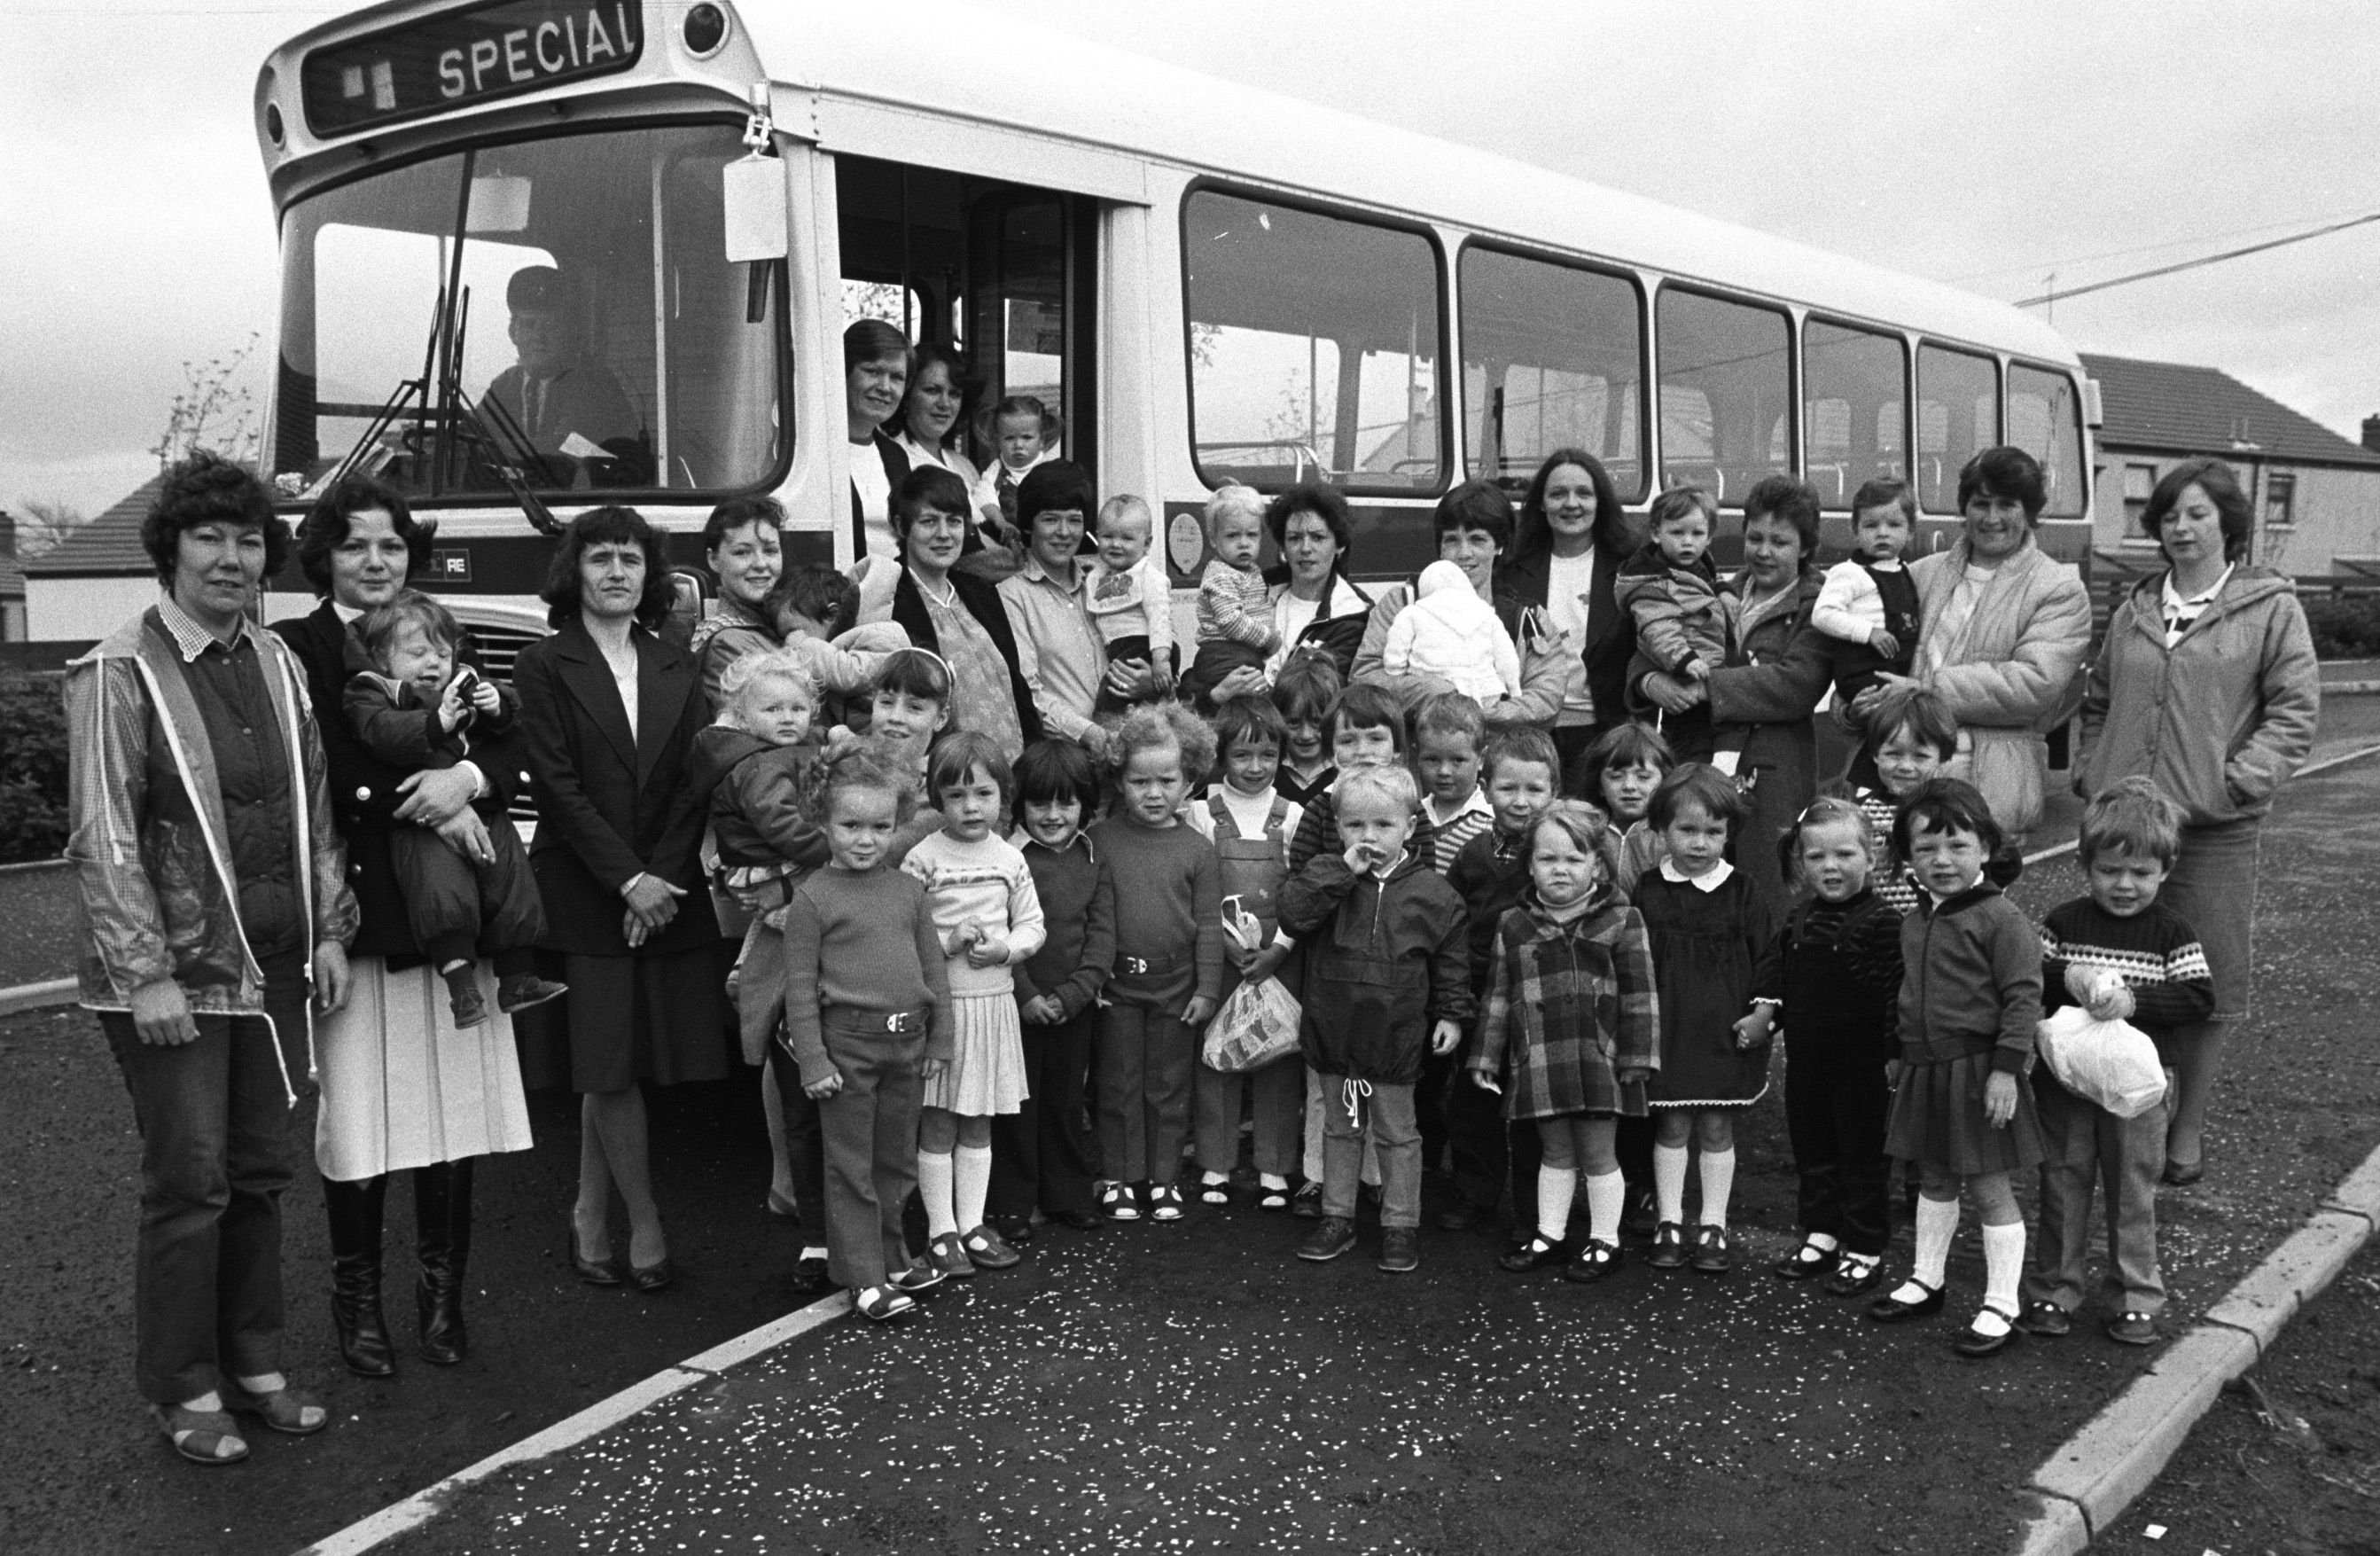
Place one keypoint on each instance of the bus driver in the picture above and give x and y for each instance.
(562, 397)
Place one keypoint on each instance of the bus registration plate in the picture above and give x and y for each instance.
(460, 58)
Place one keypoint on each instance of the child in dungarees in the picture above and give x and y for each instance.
(1831, 978)
(1251, 825)
(1169, 958)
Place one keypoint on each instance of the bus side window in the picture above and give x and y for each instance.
(1553, 357)
(1314, 348)
(1855, 410)
(2044, 419)
(1725, 394)
(1957, 418)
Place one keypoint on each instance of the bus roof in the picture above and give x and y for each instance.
(959, 60)
(956, 60)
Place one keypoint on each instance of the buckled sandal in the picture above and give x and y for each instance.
(1979, 1342)
(203, 1437)
(284, 1410)
(883, 1304)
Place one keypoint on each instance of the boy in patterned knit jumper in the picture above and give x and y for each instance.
(2124, 956)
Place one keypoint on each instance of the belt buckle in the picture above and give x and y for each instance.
(897, 1021)
(1136, 964)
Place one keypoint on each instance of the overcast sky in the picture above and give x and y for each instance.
(1977, 143)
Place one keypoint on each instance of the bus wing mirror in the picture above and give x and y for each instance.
(757, 211)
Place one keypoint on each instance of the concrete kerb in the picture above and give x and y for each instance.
(23, 997)
(2086, 1485)
(597, 1418)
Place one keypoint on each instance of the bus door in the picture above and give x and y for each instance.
(1004, 275)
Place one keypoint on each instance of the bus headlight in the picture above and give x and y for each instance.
(704, 30)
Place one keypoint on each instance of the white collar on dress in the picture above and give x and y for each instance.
(1709, 881)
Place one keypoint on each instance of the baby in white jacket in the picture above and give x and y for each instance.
(1450, 632)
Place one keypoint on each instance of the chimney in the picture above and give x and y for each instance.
(2372, 433)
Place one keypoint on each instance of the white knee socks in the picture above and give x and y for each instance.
(1937, 1222)
(970, 1181)
(1606, 1197)
(1719, 1181)
(1669, 1183)
(934, 1188)
(1556, 1187)
(2003, 1262)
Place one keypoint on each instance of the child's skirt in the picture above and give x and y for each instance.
(986, 1075)
(1938, 1120)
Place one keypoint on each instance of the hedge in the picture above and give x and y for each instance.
(32, 769)
(2345, 627)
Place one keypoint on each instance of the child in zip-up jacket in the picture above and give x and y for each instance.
(1386, 977)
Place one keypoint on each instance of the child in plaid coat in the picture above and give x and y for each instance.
(1574, 1027)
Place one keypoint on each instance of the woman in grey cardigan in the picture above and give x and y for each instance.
(2207, 684)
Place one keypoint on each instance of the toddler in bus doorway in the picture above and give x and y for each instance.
(1869, 602)
(1130, 600)
(417, 709)
(1024, 433)
(1685, 619)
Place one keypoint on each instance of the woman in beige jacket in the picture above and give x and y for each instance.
(2005, 629)
(2206, 684)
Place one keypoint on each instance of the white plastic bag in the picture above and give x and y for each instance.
(2111, 1064)
(1256, 1026)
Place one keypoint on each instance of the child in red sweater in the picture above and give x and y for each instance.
(1169, 958)
(868, 1020)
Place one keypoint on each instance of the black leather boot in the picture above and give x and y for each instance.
(442, 1210)
(355, 1214)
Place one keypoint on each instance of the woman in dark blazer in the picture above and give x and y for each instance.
(404, 1089)
(1572, 526)
(609, 713)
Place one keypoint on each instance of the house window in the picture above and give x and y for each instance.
(2280, 500)
(2139, 481)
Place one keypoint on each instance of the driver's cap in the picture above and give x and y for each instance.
(539, 289)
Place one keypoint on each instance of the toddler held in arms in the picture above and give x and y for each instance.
(416, 708)
(1869, 602)
(1450, 632)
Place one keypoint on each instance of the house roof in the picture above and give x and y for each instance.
(2174, 408)
(12, 572)
(107, 546)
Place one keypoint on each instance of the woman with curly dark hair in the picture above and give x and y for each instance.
(609, 713)
(214, 903)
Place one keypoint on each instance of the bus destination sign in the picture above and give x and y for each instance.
(460, 58)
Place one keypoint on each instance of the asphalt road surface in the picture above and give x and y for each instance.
(1153, 1388)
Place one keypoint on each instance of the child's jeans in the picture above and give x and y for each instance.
(1310, 1159)
(1145, 1060)
(1279, 1093)
(2089, 1148)
(1356, 1112)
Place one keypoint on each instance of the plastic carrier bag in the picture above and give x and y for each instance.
(2111, 1064)
(1256, 1026)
